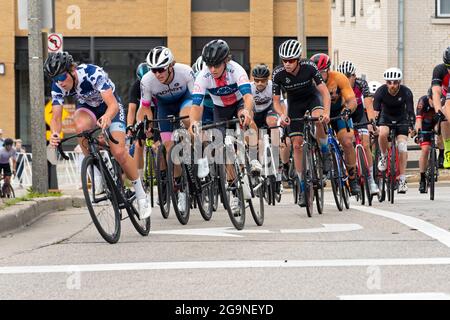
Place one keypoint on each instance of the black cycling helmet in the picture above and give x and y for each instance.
(261, 71)
(142, 69)
(215, 52)
(446, 57)
(8, 142)
(57, 63)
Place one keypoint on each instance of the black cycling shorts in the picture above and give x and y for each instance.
(387, 119)
(5, 168)
(298, 108)
(227, 113)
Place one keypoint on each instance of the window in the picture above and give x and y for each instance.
(443, 8)
(353, 8)
(316, 45)
(239, 48)
(342, 8)
(220, 5)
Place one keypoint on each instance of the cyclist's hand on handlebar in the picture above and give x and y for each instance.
(439, 116)
(346, 113)
(104, 122)
(247, 119)
(129, 131)
(54, 139)
(325, 118)
(194, 129)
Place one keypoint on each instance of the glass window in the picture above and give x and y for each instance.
(220, 5)
(443, 7)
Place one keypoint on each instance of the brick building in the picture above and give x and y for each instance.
(367, 33)
(117, 34)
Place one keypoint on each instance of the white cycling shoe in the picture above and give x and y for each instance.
(145, 210)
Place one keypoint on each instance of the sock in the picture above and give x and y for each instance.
(422, 176)
(441, 153)
(137, 185)
(402, 178)
(446, 146)
(324, 145)
(371, 172)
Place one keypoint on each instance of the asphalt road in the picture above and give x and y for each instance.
(399, 251)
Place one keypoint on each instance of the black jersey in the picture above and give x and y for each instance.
(135, 93)
(425, 112)
(299, 86)
(441, 78)
(399, 106)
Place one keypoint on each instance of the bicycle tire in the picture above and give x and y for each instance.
(206, 208)
(256, 203)
(182, 216)
(379, 176)
(90, 162)
(162, 182)
(238, 221)
(308, 178)
(216, 187)
(336, 184)
(318, 179)
(432, 176)
(392, 172)
(344, 183)
(149, 173)
(9, 191)
(364, 170)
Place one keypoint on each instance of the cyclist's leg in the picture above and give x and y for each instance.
(402, 145)
(84, 119)
(346, 140)
(139, 150)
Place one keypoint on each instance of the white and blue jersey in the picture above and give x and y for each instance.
(170, 98)
(92, 82)
(226, 91)
(208, 107)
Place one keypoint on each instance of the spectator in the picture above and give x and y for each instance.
(20, 160)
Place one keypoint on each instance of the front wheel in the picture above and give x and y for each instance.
(232, 194)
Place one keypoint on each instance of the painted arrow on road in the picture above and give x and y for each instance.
(230, 232)
(326, 228)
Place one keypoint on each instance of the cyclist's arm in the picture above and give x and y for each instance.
(14, 161)
(326, 98)
(419, 116)
(277, 107)
(410, 107)
(131, 116)
(368, 103)
(56, 122)
(347, 92)
(111, 102)
(249, 103)
(437, 93)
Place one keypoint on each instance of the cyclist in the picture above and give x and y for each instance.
(394, 102)
(170, 84)
(133, 105)
(97, 104)
(425, 121)
(440, 84)
(343, 102)
(6, 153)
(207, 104)
(305, 89)
(364, 112)
(229, 87)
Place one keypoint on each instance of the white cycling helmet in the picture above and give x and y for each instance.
(159, 57)
(347, 67)
(373, 86)
(198, 65)
(393, 74)
(290, 49)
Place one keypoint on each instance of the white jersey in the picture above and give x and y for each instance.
(225, 91)
(181, 85)
(92, 81)
(263, 99)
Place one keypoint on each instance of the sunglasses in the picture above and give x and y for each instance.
(291, 61)
(214, 65)
(392, 82)
(60, 78)
(159, 70)
(257, 80)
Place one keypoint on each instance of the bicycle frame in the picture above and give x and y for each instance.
(332, 141)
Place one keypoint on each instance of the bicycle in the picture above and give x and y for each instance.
(392, 173)
(338, 173)
(115, 194)
(362, 165)
(432, 173)
(6, 190)
(232, 176)
(196, 191)
(312, 166)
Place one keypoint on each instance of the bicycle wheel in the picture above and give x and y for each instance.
(379, 177)
(104, 208)
(318, 178)
(308, 178)
(9, 191)
(364, 170)
(344, 182)
(336, 184)
(216, 187)
(256, 203)
(432, 172)
(162, 182)
(179, 189)
(232, 193)
(392, 172)
(149, 174)
(205, 199)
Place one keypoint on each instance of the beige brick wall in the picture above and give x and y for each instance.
(7, 81)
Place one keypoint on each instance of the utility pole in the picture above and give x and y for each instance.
(35, 60)
(301, 25)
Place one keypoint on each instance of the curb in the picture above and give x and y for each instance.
(26, 213)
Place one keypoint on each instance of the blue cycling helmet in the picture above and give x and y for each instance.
(141, 70)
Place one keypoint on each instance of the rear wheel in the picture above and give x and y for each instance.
(179, 189)
(256, 203)
(232, 194)
(318, 179)
(432, 174)
(392, 173)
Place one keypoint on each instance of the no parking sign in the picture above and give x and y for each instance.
(55, 42)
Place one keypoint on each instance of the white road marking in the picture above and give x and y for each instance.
(427, 228)
(326, 228)
(399, 296)
(230, 264)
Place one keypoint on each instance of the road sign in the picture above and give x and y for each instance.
(55, 42)
(46, 14)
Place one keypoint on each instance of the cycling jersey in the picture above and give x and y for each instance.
(92, 81)
(225, 91)
(339, 86)
(361, 90)
(298, 86)
(263, 99)
(5, 155)
(182, 83)
(425, 112)
(441, 78)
